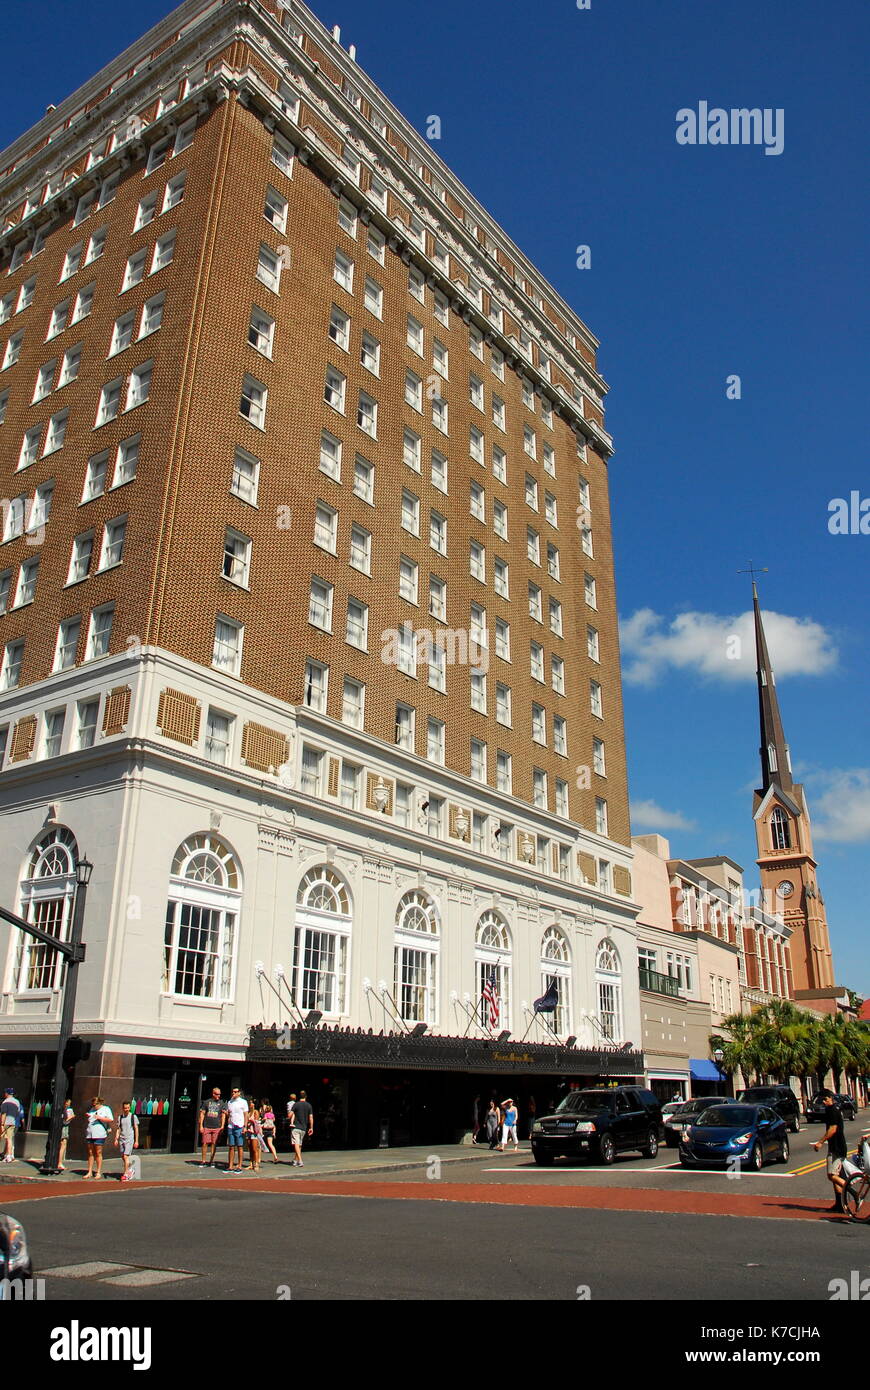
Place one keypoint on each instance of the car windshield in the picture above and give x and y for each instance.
(758, 1093)
(725, 1116)
(584, 1103)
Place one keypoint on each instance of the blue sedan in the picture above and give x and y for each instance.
(734, 1136)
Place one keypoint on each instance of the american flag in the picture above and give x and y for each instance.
(490, 994)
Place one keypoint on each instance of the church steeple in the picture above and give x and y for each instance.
(775, 759)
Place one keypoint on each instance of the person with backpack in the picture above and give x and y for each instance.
(127, 1138)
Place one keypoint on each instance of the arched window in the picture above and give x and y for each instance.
(201, 918)
(322, 942)
(415, 958)
(780, 829)
(772, 765)
(608, 987)
(492, 959)
(47, 893)
(556, 968)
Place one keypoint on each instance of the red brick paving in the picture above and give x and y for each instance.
(578, 1198)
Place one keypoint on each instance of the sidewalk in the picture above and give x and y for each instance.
(318, 1164)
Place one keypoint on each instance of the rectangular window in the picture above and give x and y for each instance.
(333, 389)
(275, 209)
(555, 612)
(560, 735)
(407, 660)
(100, 632)
(475, 391)
(146, 212)
(253, 401)
(537, 661)
(405, 727)
(562, 809)
(30, 446)
(499, 464)
(478, 691)
(435, 740)
(227, 650)
(135, 270)
(353, 703)
(139, 386)
(557, 674)
(330, 455)
(80, 560)
(586, 540)
(316, 685)
(367, 414)
(373, 297)
(598, 763)
(110, 401)
(342, 271)
(71, 261)
(411, 450)
(531, 492)
(413, 390)
(357, 631)
(475, 444)
(261, 330)
(496, 363)
(339, 327)
(503, 704)
(535, 610)
(13, 349)
(502, 639)
(69, 367)
(236, 562)
(218, 737)
(312, 770)
(360, 548)
(550, 509)
(501, 577)
(414, 335)
(44, 381)
(439, 470)
(164, 253)
(539, 788)
(550, 460)
(438, 532)
(95, 477)
(589, 592)
(283, 155)
(477, 502)
(84, 303)
(600, 815)
(408, 571)
(86, 723)
(5, 586)
(174, 192)
(503, 772)
(410, 512)
(437, 666)
(437, 598)
(67, 644)
(246, 471)
(553, 568)
(376, 244)
(477, 561)
(269, 268)
(498, 416)
(539, 724)
(56, 325)
(320, 604)
(351, 780)
(440, 359)
(122, 334)
(595, 700)
(325, 527)
(478, 760)
(364, 479)
(347, 217)
(10, 671)
(592, 643)
(27, 577)
(370, 354)
(533, 545)
(54, 725)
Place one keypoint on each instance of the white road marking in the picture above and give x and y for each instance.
(141, 1277)
(88, 1270)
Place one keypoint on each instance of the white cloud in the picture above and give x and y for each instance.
(721, 648)
(649, 813)
(842, 812)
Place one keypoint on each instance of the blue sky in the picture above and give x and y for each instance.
(706, 262)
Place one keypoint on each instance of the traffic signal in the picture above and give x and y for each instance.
(76, 1050)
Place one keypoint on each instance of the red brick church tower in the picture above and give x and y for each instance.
(785, 845)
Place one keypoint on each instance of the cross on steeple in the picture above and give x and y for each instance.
(753, 571)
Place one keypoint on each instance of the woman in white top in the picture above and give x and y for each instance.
(96, 1134)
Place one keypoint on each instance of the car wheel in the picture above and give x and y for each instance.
(795, 1125)
(606, 1149)
(544, 1160)
(783, 1150)
(756, 1159)
(651, 1147)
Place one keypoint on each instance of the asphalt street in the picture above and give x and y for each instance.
(471, 1233)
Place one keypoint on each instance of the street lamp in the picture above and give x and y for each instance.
(75, 954)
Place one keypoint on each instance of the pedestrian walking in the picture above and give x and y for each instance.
(68, 1116)
(11, 1116)
(254, 1130)
(291, 1104)
(237, 1110)
(302, 1126)
(509, 1125)
(269, 1122)
(475, 1119)
(96, 1134)
(835, 1137)
(493, 1124)
(127, 1139)
(212, 1120)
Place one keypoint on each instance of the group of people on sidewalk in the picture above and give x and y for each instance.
(99, 1120)
(251, 1124)
(499, 1124)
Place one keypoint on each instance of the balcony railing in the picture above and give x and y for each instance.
(657, 983)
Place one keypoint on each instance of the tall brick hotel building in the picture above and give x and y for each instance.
(278, 399)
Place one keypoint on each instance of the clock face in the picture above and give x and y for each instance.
(785, 889)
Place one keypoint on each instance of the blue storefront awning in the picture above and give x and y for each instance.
(703, 1070)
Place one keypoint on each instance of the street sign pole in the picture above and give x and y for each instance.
(74, 959)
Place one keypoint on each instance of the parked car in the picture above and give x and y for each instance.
(684, 1114)
(671, 1106)
(782, 1099)
(599, 1124)
(754, 1134)
(15, 1262)
(816, 1108)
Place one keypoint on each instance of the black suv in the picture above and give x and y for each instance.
(817, 1110)
(599, 1124)
(782, 1099)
